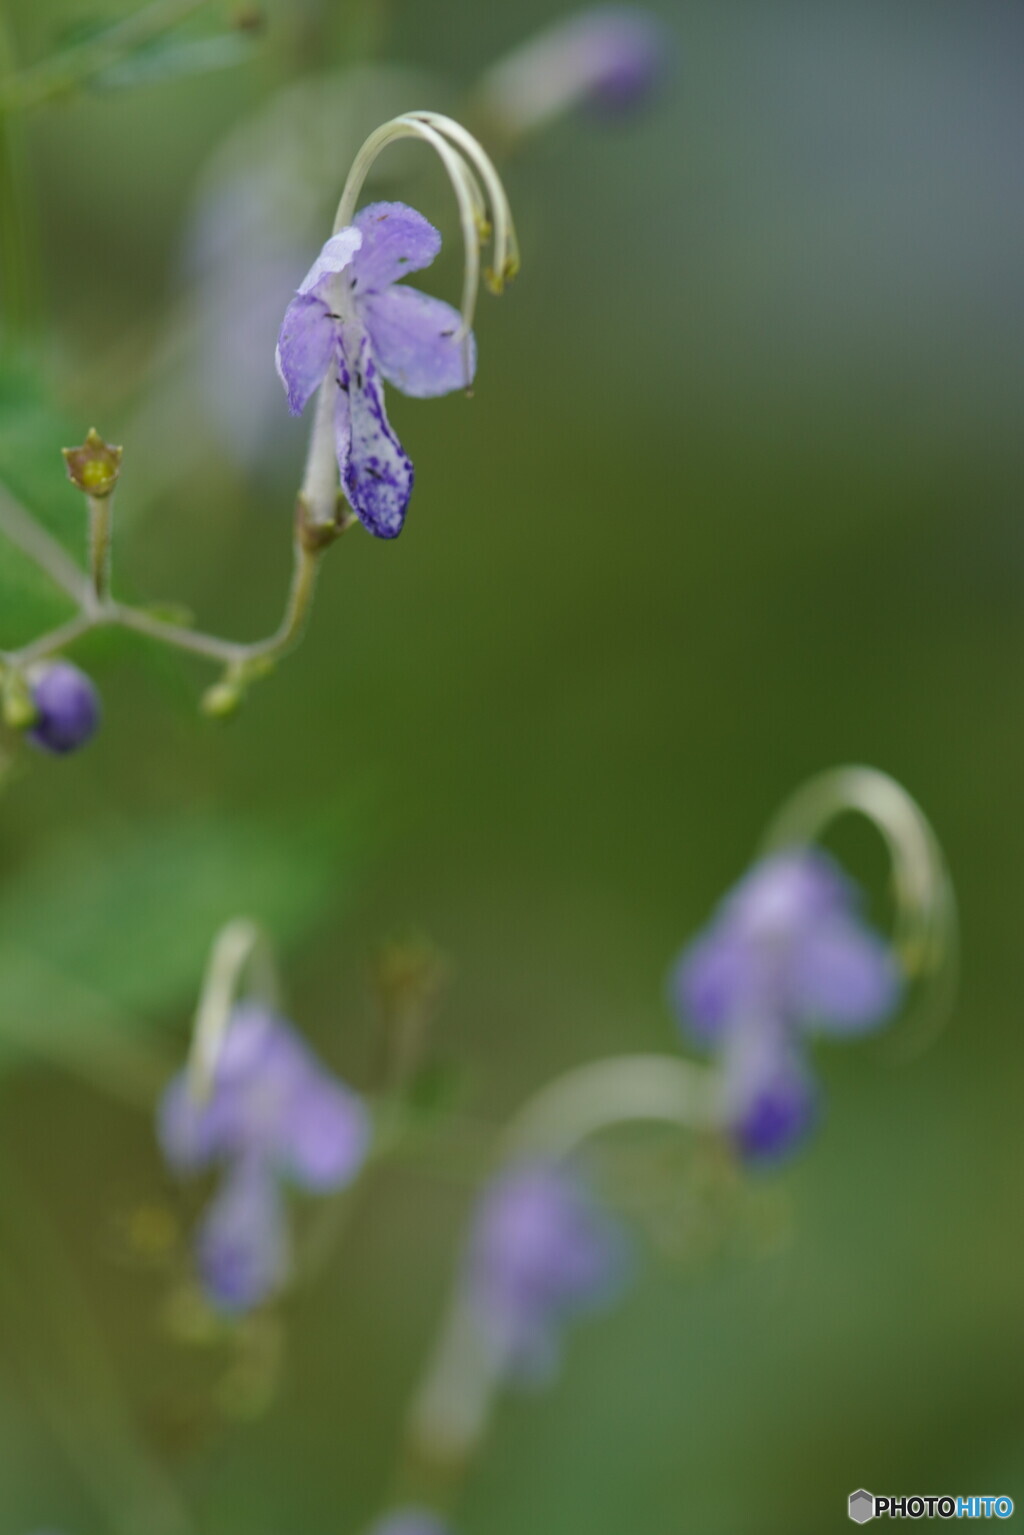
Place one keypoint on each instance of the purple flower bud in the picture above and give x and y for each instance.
(608, 57)
(542, 1250)
(68, 707)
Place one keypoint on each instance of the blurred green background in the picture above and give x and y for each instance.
(737, 498)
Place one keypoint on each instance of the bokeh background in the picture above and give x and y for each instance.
(737, 498)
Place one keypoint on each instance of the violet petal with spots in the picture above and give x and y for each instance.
(349, 323)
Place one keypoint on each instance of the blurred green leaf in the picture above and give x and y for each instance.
(169, 59)
(439, 1089)
(112, 931)
(32, 432)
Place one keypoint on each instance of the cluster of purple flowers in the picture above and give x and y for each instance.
(542, 1251)
(786, 956)
(273, 1116)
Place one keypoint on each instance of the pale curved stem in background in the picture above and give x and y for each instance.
(240, 951)
(926, 936)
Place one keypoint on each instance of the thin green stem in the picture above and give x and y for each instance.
(101, 527)
(62, 72)
(22, 530)
(53, 642)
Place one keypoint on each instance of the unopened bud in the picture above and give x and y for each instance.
(67, 707)
(222, 700)
(94, 467)
(19, 707)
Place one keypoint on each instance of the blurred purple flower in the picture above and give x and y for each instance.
(542, 1250)
(68, 707)
(351, 320)
(242, 1247)
(607, 56)
(410, 1521)
(273, 1114)
(786, 955)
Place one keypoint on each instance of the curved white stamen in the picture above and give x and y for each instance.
(506, 245)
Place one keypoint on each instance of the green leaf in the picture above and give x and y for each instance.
(110, 932)
(169, 59)
(32, 432)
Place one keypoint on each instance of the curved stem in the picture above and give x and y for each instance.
(604, 1094)
(241, 948)
(22, 530)
(926, 926)
(101, 528)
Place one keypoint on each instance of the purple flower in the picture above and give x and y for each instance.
(242, 1247)
(410, 1521)
(786, 955)
(607, 56)
(351, 321)
(68, 707)
(541, 1251)
(273, 1115)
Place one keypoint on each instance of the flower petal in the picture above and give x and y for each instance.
(191, 1134)
(243, 1241)
(844, 979)
(376, 472)
(395, 240)
(415, 339)
(327, 1136)
(778, 1113)
(714, 978)
(304, 348)
(334, 258)
(770, 1098)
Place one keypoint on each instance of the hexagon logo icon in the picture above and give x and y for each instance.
(862, 1506)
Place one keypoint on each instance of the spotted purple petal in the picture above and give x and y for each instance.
(396, 240)
(377, 474)
(415, 339)
(305, 346)
(243, 1241)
